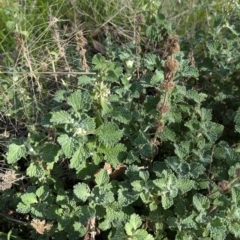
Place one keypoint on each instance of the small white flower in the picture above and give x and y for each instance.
(80, 131)
(129, 63)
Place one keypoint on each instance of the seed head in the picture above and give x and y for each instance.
(238, 172)
(159, 125)
(167, 85)
(81, 40)
(171, 65)
(140, 18)
(171, 46)
(224, 186)
(163, 108)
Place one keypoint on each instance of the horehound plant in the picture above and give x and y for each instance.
(81, 43)
(26, 59)
(139, 20)
(21, 47)
(171, 66)
(57, 39)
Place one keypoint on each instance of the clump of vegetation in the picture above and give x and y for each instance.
(120, 121)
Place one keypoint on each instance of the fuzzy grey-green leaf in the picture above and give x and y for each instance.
(80, 101)
(82, 191)
(15, 152)
(109, 134)
(102, 177)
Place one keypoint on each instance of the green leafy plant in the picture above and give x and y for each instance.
(136, 146)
